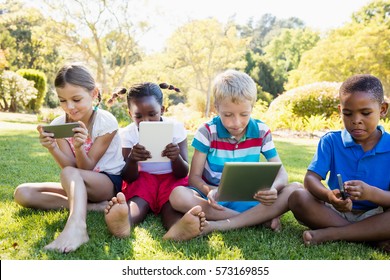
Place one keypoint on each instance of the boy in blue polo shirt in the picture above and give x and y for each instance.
(231, 136)
(361, 155)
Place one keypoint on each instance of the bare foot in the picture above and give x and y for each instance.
(383, 245)
(274, 224)
(71, 238)
(99, 206)
(117, 216)
(189, 226)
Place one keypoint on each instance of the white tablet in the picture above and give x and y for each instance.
(241, 180)
(155, 136)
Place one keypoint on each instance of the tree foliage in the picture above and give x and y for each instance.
(26, 37)
(362, 46)
(100, 33)
(199, 50)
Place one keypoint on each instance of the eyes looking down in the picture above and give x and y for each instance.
(145, 109)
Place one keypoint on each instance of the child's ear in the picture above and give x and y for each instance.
(162, 110)
(131, 116)
(95, 93)
(384, 109)
(339, 108)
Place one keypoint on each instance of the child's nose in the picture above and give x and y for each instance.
(69, 105)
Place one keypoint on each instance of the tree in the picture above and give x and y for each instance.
(266, 28)
(199, 50)
(362, 46)
(284, 53)
(26, 37)
(101, 32)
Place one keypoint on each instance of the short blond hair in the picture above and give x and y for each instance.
(235, 85)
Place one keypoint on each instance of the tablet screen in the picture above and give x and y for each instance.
(241, 180)
(155, 136)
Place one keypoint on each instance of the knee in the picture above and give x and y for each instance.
(177, 196)
(23, 195)
(298, 199)
(68, 172)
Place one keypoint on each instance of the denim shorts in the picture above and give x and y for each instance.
(239, 206)
(116, 180)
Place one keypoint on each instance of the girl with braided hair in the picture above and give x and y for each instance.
(148, 185)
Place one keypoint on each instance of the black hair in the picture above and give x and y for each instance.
(363, 83)
(143, 90)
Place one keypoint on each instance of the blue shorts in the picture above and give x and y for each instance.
(239, 206)
(116, 180)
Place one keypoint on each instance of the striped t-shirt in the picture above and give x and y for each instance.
(213, 139)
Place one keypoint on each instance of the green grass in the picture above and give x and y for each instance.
(24, 232)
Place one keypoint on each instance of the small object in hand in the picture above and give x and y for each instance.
(341, 187)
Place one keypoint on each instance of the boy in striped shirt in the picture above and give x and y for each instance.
(231, 136)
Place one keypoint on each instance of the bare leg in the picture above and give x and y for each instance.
(183, 199)
(139, 208)
(47, 196)
(374, 228)
(312, 212)
(256, 215)
(169, 215)
(79, 185)
(188, 227)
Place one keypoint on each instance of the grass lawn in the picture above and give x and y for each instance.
(24, 232)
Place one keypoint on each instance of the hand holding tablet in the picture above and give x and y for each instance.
(241, 180)
(155, 136)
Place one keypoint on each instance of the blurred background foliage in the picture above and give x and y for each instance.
(297, 70)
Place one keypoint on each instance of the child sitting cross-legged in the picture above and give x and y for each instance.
(231, 136)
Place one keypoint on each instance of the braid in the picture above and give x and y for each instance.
(167, 86)
(99, 97)
(116, 94)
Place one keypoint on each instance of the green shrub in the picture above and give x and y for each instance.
(120, 111)
(305, 107)
(51, 99)
(316, 99)
(40, 83)
(15, 92)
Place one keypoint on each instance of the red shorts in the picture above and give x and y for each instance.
(155, 189)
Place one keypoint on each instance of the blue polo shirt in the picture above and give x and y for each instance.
(337, 153)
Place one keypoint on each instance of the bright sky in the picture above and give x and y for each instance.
(170, 14)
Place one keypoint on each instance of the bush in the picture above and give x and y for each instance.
(40, 83)
(51, 99)
(120, 111)
(305, 107)
(316, 99)
(15, 92)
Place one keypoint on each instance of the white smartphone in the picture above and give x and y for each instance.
(155, 136)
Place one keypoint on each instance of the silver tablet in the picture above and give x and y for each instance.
(155, 136)
(241, 180)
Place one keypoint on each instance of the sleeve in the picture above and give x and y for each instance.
(201, 140)
(321, 161)
(105, 123)
(179, 133)
(268, 146)
(58, 120)
(129, 136)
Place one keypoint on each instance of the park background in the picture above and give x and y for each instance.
(298, 70)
